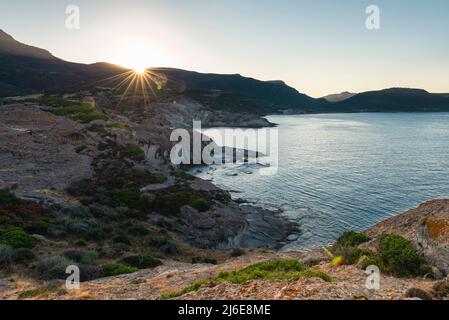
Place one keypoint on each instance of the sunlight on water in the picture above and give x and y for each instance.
(347, 171)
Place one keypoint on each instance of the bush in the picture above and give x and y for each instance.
(398, 257)
(271, 270)
(268, 270)
(141, 262)
(138, 230)
(39, 227)
(7, 197)
(204, 260)
(352, 254)
(237, 252)
(126, 197)
(157, 177)
(53, 267)
(81, 243)
(114, 269)
(16, 238)
(6, 255)
(122, 239)
(23, 256)
(191, 288)
(90, 272)
(183, 175)
(418, 293)
(351, 239)
(132, 151)
(200, 203)
(81, 257)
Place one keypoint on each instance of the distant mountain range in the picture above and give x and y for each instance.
(339, 96)
(26, 70)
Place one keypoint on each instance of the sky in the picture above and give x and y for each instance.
(316, 46)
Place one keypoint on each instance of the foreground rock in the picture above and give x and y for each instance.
(426, 226)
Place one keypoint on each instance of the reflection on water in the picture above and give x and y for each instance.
(347, 171)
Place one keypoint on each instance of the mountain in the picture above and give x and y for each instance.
(395, 100)
(233, 91)
(26, 70)
(9, 46)
(339, 96)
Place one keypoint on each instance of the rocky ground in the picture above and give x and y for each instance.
(97, 186)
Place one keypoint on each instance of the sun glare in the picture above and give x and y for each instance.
(139, 69)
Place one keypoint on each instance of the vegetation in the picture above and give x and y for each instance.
(114, 269)
(268, 270)
(7, 197)
(351, 239)
(16, 238)
(132, 151)
(170, 203)
(271, 270)
(141, 262)
(191, 288)
(53, 267)
(237, 252)
(77, 111)
(6, 255)
(204, 260)
(127, 197)
(397, 256)
(179, 173)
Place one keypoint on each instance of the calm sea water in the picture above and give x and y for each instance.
(347, 171)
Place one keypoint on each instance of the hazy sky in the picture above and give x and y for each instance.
(316, 46)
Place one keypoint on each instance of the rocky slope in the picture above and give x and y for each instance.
(348, 281)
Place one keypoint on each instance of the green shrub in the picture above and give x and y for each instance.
(122, 239)
(6, 255)
(204, 260)
(81, 243)
(114, 269)
(16, 238)
(352, 254)
(191, 288)
(237, 252)
(117, 125)
(268, 270)
(351, 239)
(199, 202)
(398, 257)
(53, 101)
(53, 267)
(132, 151)
(39, 227)
(98, 128)
(183, 175)
(32, 293)
(141, 262)
(90, 272)
(157, 177)
(172, 202)
(138, 230)
(23, 256)
(271, 270)
(88, 117)
(7, 197)
(81, 257)
(72, 109)
(126, 197)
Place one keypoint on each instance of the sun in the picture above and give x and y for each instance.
(139, 69)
